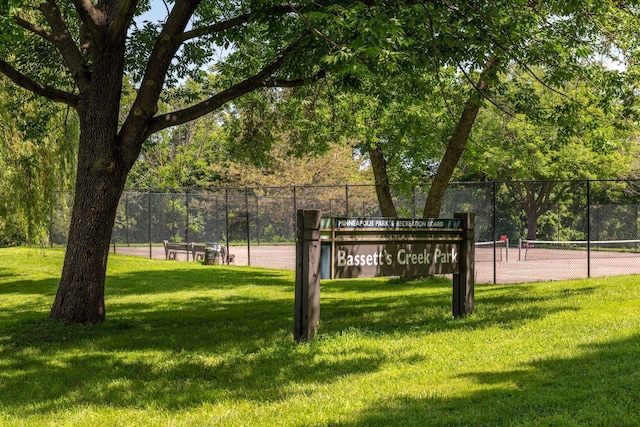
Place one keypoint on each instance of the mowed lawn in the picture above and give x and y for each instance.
(192, 345)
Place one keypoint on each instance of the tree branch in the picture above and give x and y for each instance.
(164, 50)
(543, 199)
(118, 29)
(65, 44)
(313, 29)
(436, 62)
(214, 28)
(231, 23)
(91, 16)
(35, 29)
(261, 79)
(38, 88)
(481, 92)
(521, 192)
(456, 145)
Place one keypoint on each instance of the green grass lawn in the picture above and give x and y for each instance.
(192, 345)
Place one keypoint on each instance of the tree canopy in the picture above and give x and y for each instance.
(559, 138)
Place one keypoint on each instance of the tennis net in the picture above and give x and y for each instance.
(576, 249)
(485, 251)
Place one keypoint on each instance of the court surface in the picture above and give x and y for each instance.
(546, 265)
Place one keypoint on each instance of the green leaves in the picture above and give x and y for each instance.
(37, 150)
(550, 135)
(10, 31)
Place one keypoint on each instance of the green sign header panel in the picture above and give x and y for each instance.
(395, 223)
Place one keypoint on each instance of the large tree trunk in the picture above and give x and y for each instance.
(103, 165)
(80, 297)
(532, 225)
(455, 148)
(383, 189)
(536, 200)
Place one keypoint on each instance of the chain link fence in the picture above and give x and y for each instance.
(526, 230)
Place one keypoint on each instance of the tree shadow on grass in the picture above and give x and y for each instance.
(29, 287)
(598, 387)
(194, 279)
(201, 348)
(119, 379)
(22, 300)
(7, 273)
(181, 352)
(426, 306)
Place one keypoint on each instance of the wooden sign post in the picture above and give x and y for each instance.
(307, 293)
(464, 279)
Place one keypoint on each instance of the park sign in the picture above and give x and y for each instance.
(334, 248)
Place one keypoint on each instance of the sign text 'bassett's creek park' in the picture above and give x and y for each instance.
(402, 257)
(369, 247)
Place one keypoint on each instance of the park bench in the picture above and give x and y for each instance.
(171, 249)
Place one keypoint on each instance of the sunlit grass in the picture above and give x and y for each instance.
(186, 344)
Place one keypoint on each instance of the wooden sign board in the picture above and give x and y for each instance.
(373, 247)
(334, 248)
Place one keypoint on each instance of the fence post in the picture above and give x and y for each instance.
(186, 220)
(173, 217)
(295, 200)
(226, 222)
(307, 290)
(149, 225)
(636, 225)
(257, 219)
(495, 230)
(126, 217)
(217, 235)
(415, 208)
(346, 199)
(295, 210)
(246, 206)
(588, 228)
(53, 202)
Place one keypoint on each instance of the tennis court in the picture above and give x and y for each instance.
(538, 262)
